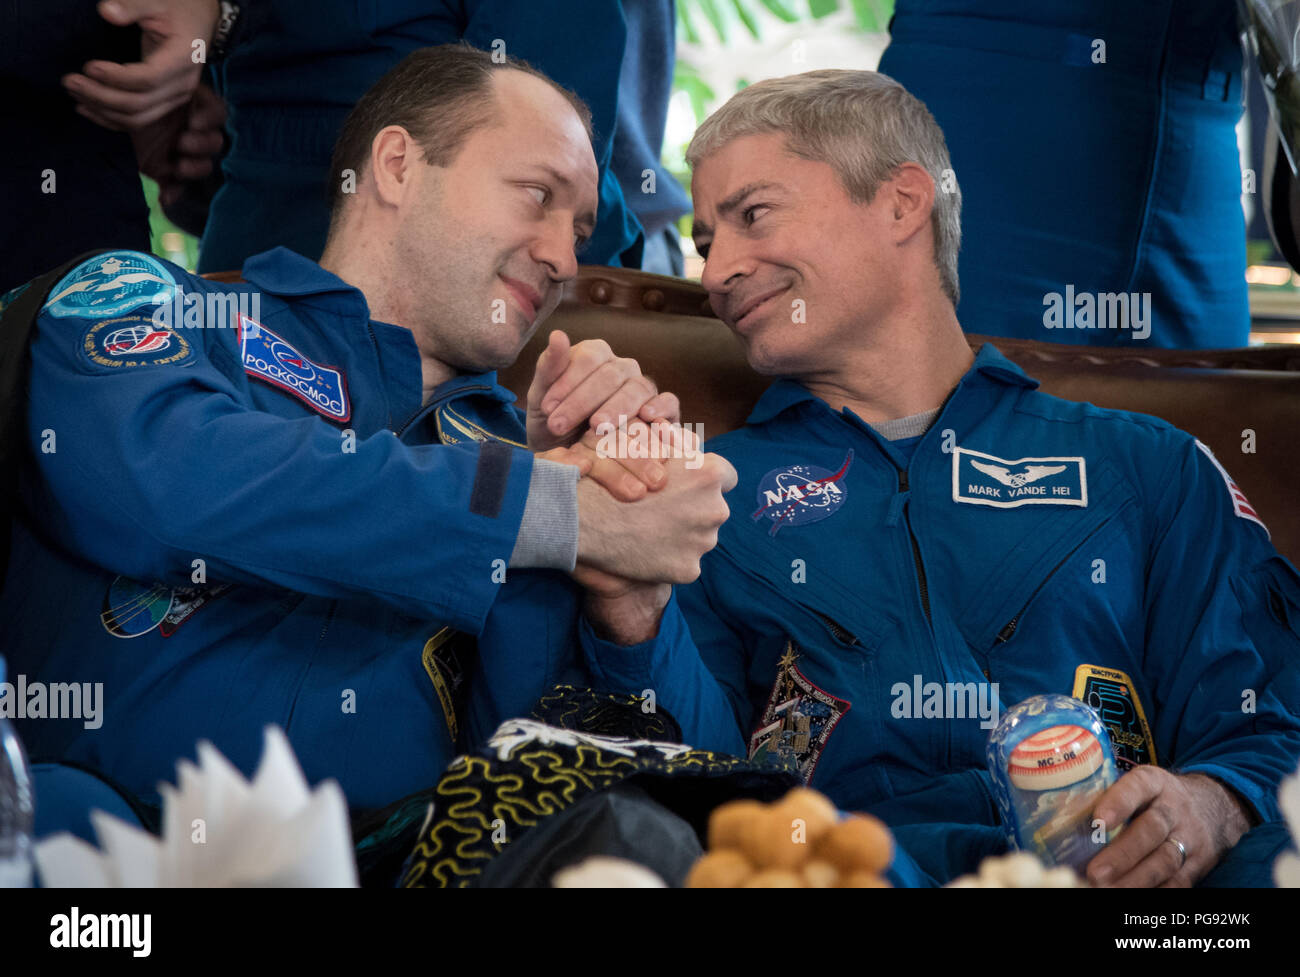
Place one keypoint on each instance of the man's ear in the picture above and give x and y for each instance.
(393, 155)
(912, 198)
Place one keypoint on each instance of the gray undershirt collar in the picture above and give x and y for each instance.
(906, 427)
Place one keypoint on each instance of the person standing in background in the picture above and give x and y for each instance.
(1094, 142)
(645, 86)
(70, 186)
(290, 70)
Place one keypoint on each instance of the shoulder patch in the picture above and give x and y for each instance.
(1240, 504)
(109, 285)
(269, 358)
(133, 340)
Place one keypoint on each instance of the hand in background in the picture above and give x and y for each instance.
(183, 145)
(131, 96)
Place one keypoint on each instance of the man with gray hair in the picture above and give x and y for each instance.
(918, 533)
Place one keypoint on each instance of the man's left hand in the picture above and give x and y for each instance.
(576, 387)
(1192, 809)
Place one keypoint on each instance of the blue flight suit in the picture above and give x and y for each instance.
(298, 66)
(1095, 145)
(230, 527)
(1036, 543)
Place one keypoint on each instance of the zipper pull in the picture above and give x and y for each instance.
(895, 512)
(1008, 630)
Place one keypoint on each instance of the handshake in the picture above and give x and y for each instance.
(649, 500)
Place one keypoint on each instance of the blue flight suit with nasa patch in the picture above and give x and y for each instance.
(284, 532)
(1035, 543)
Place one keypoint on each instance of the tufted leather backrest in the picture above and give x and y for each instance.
(667, 326)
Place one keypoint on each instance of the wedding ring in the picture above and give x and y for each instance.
(1181, 850)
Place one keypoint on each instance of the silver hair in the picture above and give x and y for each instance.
(864, 125)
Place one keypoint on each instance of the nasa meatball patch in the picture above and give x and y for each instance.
(982, 479)
(797, 495)
(269, 358)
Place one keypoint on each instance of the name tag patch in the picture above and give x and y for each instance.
(982, 479)
(268, 357)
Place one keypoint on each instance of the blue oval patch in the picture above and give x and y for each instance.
(801, 494)
(109, 285)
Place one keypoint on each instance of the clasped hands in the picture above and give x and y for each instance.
(644, 523)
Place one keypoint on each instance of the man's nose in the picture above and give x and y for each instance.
(554, 248)
(723, 268)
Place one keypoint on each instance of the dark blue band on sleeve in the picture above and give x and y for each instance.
(490, 479)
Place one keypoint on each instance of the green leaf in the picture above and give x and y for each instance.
(715, 17)
(684, 25)
(747, 18)
(686, 78)
(781, 10)
(873, 15)
(820, 8)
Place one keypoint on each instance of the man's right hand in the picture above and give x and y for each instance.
(661, 537)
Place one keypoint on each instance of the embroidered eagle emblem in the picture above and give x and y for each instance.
(1032, 473)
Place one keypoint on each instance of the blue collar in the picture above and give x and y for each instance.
(287, 273)
(284, 272)
(450, 389)
(786, 393)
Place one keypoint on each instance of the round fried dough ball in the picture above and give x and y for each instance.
(769, 840)
(727, 822)
(774, 878)
(818, 814)
(859, 843)
(725, 869)
(863, 880)
(820, 875)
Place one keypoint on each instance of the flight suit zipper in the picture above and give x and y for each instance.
(923, 586)
(374, 344)
(1008, 630)
(903, 486)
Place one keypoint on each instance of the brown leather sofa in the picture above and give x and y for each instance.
(666, 324)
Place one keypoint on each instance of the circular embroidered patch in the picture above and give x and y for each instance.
(109, 285)
(134, 340)
(801, 494)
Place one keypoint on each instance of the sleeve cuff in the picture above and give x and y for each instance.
(1256, 798)
(548, 532)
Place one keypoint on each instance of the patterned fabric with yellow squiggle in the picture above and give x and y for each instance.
(530, 770)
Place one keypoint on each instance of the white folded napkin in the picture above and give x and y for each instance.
(218, 830)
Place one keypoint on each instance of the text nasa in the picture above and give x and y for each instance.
(796, 492)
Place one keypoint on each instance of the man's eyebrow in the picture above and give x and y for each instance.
(587, 220)
(699, 228)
